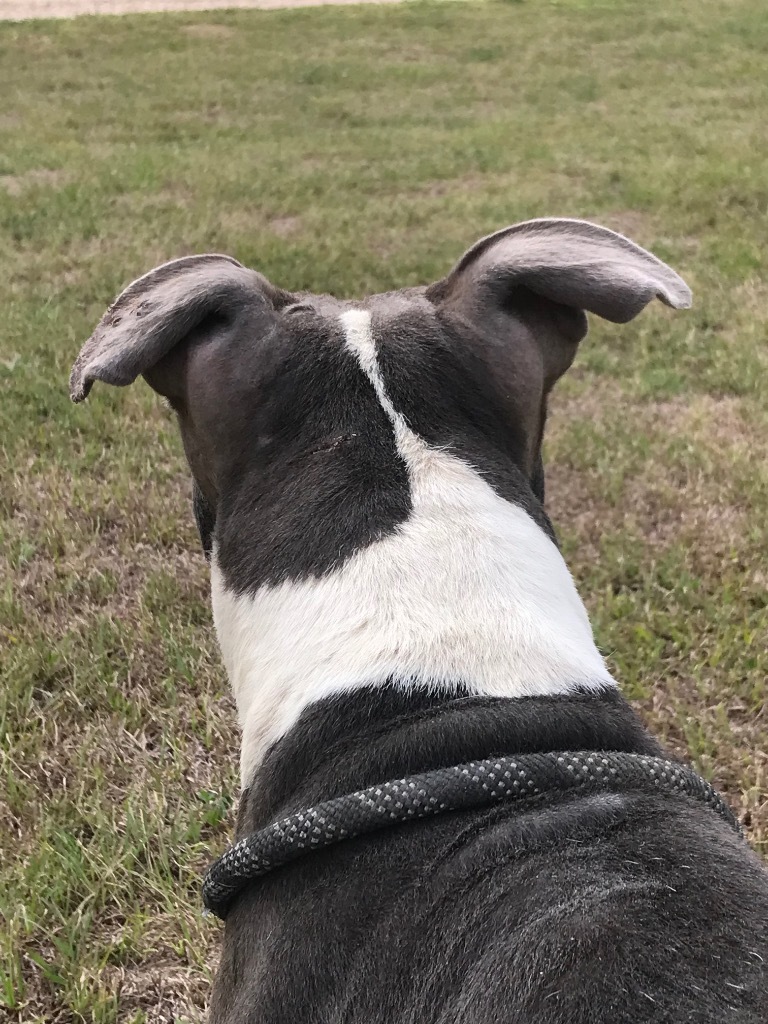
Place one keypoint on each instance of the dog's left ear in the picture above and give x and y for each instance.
(572, 263)
(159, 311)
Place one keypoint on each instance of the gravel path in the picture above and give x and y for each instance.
(13, 10)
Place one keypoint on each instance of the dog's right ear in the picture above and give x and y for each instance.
(160, 310)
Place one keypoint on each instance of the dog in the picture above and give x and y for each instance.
(390, 600)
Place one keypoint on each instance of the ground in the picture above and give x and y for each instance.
(23, 9)
(348, 149)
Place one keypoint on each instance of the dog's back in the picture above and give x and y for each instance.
(615, 908)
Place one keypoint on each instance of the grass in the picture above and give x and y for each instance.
(348, 150)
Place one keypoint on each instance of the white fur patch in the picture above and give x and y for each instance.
(469, 590)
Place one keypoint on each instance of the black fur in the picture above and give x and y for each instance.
(307, 468)
(459, 392)
(313, 475)
(592, 910)
(205, 519)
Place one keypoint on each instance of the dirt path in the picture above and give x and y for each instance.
(14, 10)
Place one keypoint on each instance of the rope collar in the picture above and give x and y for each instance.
(525, 777)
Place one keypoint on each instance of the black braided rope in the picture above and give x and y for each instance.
(475, 784)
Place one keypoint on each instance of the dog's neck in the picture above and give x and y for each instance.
(467, 595)
(357, 739)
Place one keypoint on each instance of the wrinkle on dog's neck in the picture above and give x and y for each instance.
(468, 592)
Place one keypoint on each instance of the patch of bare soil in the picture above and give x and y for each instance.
(12, 10)
(16, 184)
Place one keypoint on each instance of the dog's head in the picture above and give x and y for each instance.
(287, 402)
(368, 474)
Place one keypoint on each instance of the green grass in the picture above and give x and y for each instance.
(348, 150)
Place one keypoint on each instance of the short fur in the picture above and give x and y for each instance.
(389, 598)
(591, 910)
(503, 617)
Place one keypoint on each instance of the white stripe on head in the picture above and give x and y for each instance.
(467, 591)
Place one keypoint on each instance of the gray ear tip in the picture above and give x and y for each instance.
(80, 383)
(679, 297)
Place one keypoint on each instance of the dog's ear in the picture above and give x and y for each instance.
(160, 310)
(572, 263)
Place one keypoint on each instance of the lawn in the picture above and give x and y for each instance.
(349, 150)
